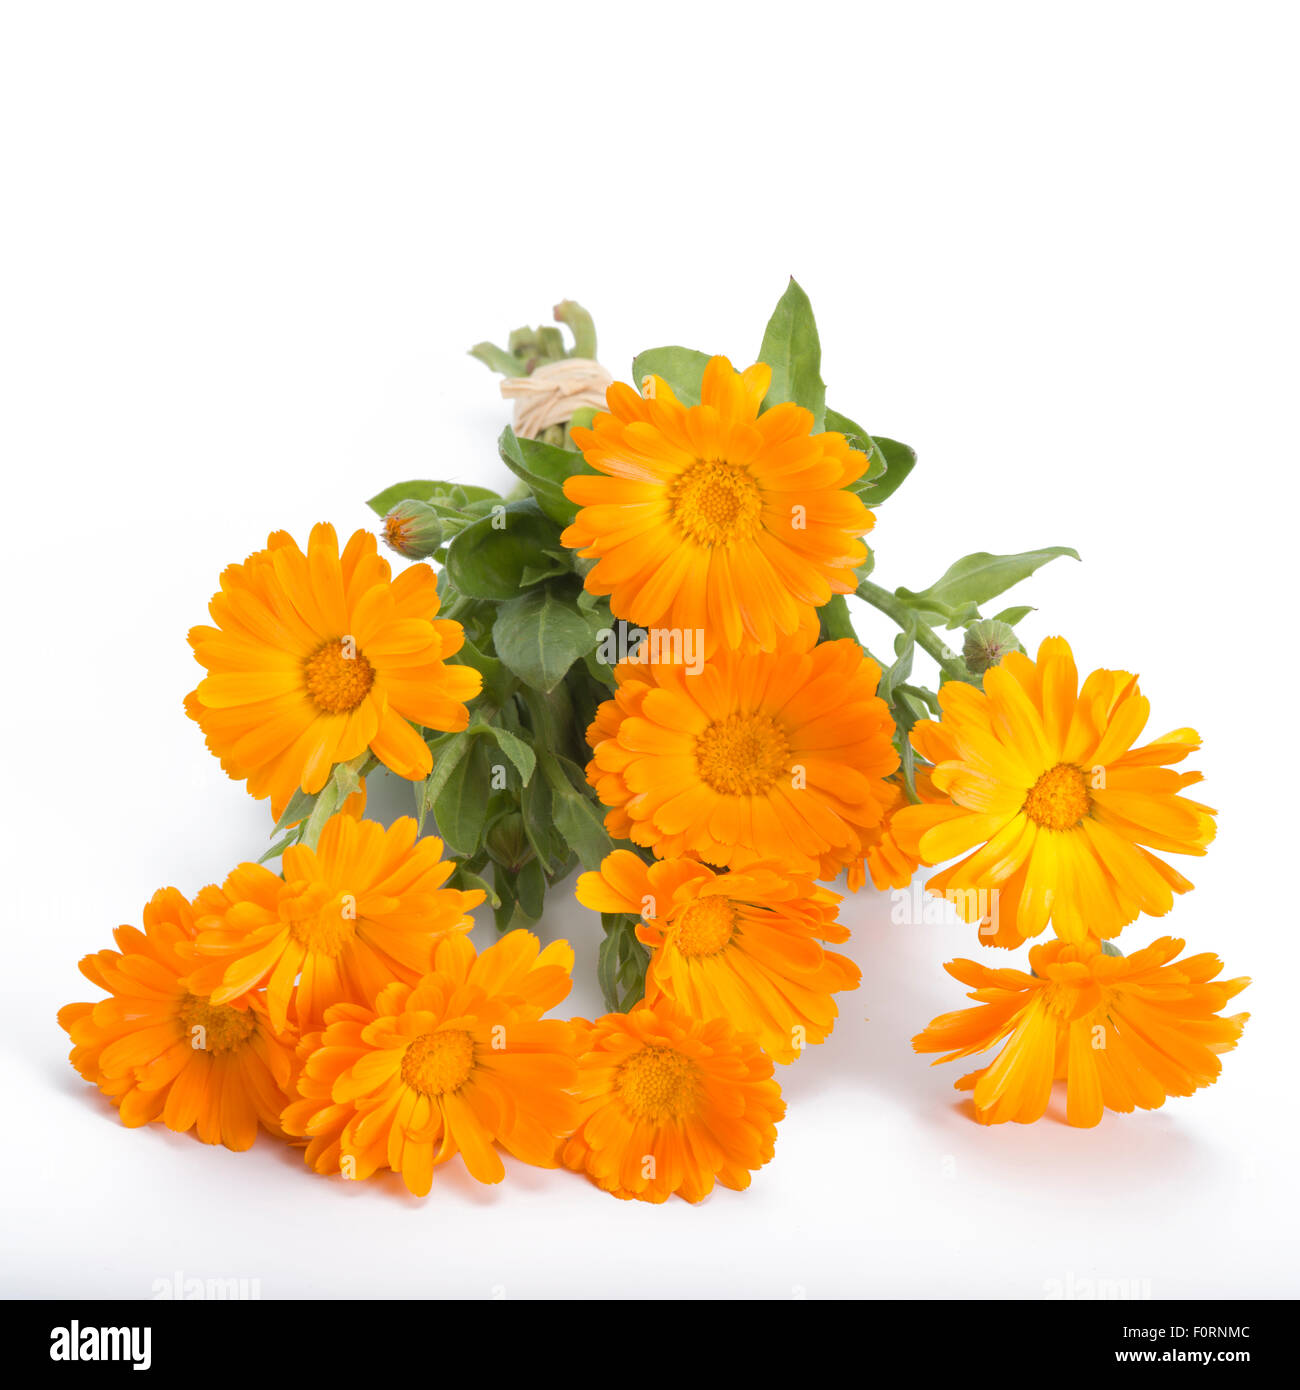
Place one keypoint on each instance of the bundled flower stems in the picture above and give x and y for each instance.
(640, 665)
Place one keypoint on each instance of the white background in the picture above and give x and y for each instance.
(243, 250)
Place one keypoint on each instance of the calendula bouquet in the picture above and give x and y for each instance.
(640, 665)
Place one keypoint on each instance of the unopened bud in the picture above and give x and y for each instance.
(413, 529)
(987, 642)
(507, 841)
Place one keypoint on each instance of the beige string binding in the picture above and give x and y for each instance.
(554, 391)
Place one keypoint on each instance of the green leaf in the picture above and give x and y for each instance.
(539, 635)
(530, 889)
(858, 438)
(904, 650)
(1011, 616)
(793, 350)
(900, 459)
(489, 557)
(576, 815)
(682, 368)
(979, 577)
(448, 751)
(519, 753)
(498, 683)
(621, 962)
(452, 496)
(460, 805)
(544, 468)
(298, 809)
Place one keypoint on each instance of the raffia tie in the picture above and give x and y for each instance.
(554, 391)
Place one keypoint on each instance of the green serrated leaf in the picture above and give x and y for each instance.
(793, 350)
(979, 577)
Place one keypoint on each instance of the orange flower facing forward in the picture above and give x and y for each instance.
(669, 1104)
(1123, 1033)
(161, 1052)
(315, 658)
(457, 1063)
(778, 756)
(1055, 808)
(744, 946)
(721, 517)
(364, 908)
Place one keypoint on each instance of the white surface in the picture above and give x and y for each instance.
(244, 251)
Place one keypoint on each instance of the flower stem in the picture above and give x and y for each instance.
(950, 662)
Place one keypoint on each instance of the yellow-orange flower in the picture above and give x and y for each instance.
(161, 1052)
(457, 1063)
(744, 946)
(1123, 1033)
(720, 517)
(773, 755)
(1059, 807)
(315, 658)
(364, 908)
(668, 1103)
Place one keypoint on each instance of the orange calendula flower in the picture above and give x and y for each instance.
(772, 755)
(458, 1062)
(744, 946)
(160, 1051)
(720, 517)
(315, 658)
(367, 906)
(1122, 1033)
(668, 1104)
(1055, 808)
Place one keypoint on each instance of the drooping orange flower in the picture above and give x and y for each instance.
(1123, 1033)
(365, 907)
(744, 946)
(457, 1063)
(667, 1103)
(773, 755)
(720, 517)
(315, 658)
(161, 1052)
(1061, 810)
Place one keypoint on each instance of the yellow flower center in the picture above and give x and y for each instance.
(742, 755)
(223, 1027)
(1059, 800)
(716, 503)
(338, 676)
(436, 1063)
(705, 927)
(320, 920)
(658, 1083)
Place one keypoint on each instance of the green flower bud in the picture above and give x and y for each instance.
(413, 529)
(987, 642)
(507, 841)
